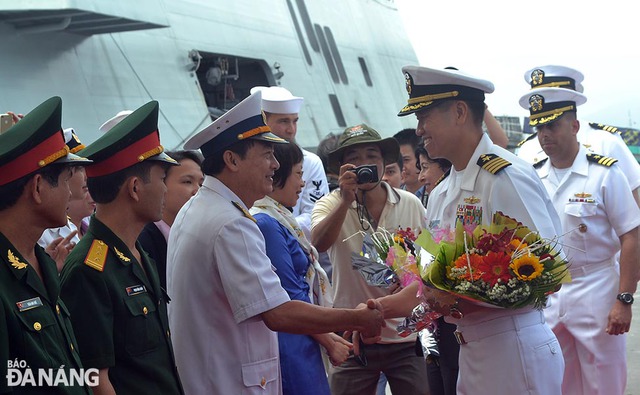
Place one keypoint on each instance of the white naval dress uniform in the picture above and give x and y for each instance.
(220, 280)
(599, 198)
(315, 187)
(595, 140)
(517, 343)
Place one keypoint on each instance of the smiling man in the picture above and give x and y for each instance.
(484, 179)
(226, 298)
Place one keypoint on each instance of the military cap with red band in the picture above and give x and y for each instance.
(34, 142)
(133, 140)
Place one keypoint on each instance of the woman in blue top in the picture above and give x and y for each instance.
(296, 263)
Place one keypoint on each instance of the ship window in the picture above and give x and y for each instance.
(336, 55)
(365, 71)
(306, 21)
(296, 25)
(327, 54)
(335, 104)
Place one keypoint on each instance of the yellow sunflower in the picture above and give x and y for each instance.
(527, 267)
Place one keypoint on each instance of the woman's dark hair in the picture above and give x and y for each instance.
(179, 155)
(441, 162)
(288, 155)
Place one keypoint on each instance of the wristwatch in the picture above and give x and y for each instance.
(625, 297)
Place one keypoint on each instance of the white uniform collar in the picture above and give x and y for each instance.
(580, 164)
(217, 186)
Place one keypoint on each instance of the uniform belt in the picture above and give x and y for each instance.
(583, 270)
(479, 331)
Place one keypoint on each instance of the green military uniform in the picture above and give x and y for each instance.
(119, 311)
(34, 322)
(36, 337)
(121, 319)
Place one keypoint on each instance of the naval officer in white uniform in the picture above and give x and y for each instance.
(590, 315)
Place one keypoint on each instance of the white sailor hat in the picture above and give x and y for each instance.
(72, 141)
(551, 76)
(278, 100)
(113, 121)
(548, 104)
(244, 121)
(426, 86)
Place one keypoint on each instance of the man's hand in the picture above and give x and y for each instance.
(338, 350)
(619, 319)
(60, 248)
(348, 183)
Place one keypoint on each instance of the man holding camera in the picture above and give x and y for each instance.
(364, 204)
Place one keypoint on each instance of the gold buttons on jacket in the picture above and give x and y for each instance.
(37, 326)
(71, 347)
(58, 309)
(582, 228)
(145, 310)
(263, 382)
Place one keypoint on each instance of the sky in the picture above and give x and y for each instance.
(499, 40)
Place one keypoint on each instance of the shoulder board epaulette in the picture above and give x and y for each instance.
(244, 211)
(601, 160)
(442, 177)
(539, 163)
(532, 136)
(606, 128)
(492, 163)
(97, 255)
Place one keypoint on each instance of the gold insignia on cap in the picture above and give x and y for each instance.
(407, 80)
(244, 211)
(253, 132)
(146, 155)
(15, 262)
(601, 160)
(120, 255)
(54, 157)
(492, 163)
(97, 255)
(472, 200)
(536, 102)
(537, 76)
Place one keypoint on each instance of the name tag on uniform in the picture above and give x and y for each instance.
(136, 289)
(29, 304)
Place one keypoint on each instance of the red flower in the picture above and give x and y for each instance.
(494, 267)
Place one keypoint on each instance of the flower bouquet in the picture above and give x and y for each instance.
(388, 258)
(503, 264)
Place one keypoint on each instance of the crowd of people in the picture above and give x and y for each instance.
(226, 267)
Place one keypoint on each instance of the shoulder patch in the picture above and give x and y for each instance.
(442, 177)
(606, 128)
(492, 163)
(244, 211)
(539, 163)
(97, 255)
(601, 160)
(531, 137)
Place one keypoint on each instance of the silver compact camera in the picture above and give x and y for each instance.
(366, 174)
